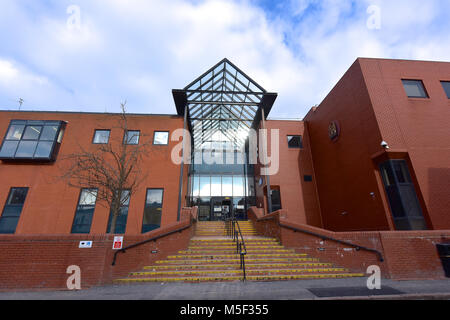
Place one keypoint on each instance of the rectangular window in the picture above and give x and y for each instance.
(415, 89)
(101, 136)
(161, 138)
(295, 142)
(121, 220)
(153, 210)
(131, 137)
(12, 210)
(32, 140)
(446, 86)
(85, 211)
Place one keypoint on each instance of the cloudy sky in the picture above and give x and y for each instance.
(89, 55)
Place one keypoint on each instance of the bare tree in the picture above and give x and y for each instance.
(113, 169)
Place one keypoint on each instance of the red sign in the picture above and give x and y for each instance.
(118, 243)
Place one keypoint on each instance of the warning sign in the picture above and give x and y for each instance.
(118, 243)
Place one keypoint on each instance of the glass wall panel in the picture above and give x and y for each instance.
(26, 149)
(195, 186)
(205, 186)
(32, 132)
(216, 186)
(44, 149)
(15, 132)
(9, 149)
(227, 186)
(49, 133)
(238, 186)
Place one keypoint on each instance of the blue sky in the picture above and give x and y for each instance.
(138, 50)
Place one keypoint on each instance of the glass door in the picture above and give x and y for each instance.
(402, 196)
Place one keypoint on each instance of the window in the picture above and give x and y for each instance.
(131, 137)
(101, 136)
(32, 140)
(276, 198)
(308, 178)
(153, 210)
(414, 89)
(12, 210)
(161, 138)
(446, 86)
(295, 142)
(121, 220)
(85, 211)
(401, 193)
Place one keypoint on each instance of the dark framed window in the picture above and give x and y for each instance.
(308, 178)
(153, 210)
(101, 136)
(161, 138)
(446, 86)
(401, 193)
(85, 211)
(276, 199)
(295, 142)
(415, 89)
(12, 210)
(32, 140)
(121, 220)
(131, 137)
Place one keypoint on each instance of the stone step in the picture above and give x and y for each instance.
(261, 265)
(233, 251)
(235, 260)
(239, 277)
(233, 246)
(231, 256)
(226, 272)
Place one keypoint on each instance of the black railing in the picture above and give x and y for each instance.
(234, 231)
(149, 240)
(357, 247)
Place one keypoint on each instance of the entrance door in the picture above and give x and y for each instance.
(220, 208)
(402, 196)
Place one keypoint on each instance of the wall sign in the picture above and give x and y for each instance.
(118, 243)
(333, 130)
(85, 244)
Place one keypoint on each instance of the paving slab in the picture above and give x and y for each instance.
(238, 290)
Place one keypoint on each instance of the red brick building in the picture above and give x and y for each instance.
(369, 164)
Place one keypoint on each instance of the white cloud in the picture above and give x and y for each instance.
(141, 49)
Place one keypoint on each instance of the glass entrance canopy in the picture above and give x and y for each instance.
(221, 107)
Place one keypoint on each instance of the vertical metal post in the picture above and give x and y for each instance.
(180, 195)
(269, 192)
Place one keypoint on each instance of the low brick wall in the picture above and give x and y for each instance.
(41, 261)
(407, 254)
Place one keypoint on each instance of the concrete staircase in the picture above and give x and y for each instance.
(211, 256)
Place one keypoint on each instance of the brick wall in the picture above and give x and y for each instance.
(407, 254)
(40, 262)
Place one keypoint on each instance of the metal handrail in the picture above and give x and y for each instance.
(234, 231)
(357, 247)
(240, 245)
(149, 240)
